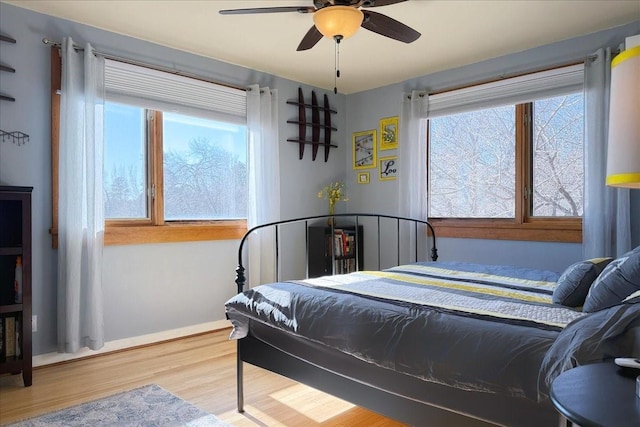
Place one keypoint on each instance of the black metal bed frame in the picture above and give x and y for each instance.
(240, 270)
(394, 395)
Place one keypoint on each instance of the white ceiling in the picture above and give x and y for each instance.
(454, 33)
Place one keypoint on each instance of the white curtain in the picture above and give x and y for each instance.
(606, 229)
(264, 181)
(81, 216)
(412, 162)
(412, 156)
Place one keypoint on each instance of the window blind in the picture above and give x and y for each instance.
(159, 90)
(509, 91)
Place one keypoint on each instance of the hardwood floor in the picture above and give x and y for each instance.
(198, 369)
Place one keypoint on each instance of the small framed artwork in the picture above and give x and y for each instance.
(388, 168)
(363, 177)
(364, 149)
(389, 133)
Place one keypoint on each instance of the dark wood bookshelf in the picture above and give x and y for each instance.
(324, 257)
(15, 241)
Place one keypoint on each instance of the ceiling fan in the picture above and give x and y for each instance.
(340, 19)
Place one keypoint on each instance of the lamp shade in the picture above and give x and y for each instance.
(334, 21)
(623, 156)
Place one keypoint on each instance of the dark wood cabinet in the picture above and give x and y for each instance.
(15, 298)
(339, 253)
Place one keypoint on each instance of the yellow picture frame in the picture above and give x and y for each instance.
(388, 168)
(363, 177)
(389, 133)
(364, 149)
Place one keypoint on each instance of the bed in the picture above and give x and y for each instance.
(443, 343)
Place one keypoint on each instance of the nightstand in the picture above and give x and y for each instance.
(597, 395)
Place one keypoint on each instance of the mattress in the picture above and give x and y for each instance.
(472, 327)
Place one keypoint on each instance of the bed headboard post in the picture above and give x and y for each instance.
(240, 278)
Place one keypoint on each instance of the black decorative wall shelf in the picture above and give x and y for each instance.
(7, 39)
(16, 137)
(6, 68)
(317, 127)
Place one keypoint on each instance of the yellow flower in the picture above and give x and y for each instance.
(334, 192)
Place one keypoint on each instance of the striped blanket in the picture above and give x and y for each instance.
(500, 294)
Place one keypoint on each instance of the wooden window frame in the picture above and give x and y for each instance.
(131, 232)
(522, 226)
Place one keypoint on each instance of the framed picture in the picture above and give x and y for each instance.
(388, 168)
(364, 149)
(389, 133)
(363, 177)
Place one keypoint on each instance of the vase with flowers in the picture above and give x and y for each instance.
(334, 193)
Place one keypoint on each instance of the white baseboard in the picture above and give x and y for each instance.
(50, 358)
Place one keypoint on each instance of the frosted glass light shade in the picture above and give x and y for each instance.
(338, 21)
(623, 157)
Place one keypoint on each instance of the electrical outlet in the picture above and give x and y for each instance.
(34, 323)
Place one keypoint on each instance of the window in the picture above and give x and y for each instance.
(175, 157)
(472, 164)
(125, 162)
(205, 169)
(557, 153)
(512, 170)
(203, 162)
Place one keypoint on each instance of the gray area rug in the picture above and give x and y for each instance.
(145, 406)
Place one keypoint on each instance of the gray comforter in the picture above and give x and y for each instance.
(482, 328)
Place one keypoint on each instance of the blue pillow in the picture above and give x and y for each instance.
(573, 286)
(617, 281)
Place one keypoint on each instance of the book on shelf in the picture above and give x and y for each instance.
(338, 240)
(9, 336)
(335, 243)
(343, 242)
(18, 352)
(349, 244)
(340, 250)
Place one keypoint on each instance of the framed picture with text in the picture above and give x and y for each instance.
(388, 168)
(389, 133)
(364, 149)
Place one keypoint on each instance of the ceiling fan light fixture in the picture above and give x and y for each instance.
(334, 21)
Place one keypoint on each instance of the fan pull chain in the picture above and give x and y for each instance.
(336, 63)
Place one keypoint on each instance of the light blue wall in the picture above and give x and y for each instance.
(364, 109)
(151, 288)
(147, 288)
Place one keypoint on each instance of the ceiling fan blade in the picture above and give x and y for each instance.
(299, 9)
(388, 27)
(310, 39)
(378, 3)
